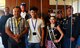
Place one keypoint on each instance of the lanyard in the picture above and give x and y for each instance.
(17, 22)
(34, 25)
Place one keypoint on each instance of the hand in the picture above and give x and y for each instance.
(17, 36)
(72, 39)
(41, 43)
(56, 41)
(16, 39)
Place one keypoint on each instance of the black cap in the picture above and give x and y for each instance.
(23, 4)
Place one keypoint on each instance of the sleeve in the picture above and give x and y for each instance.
(26, 23)
(75, 28)
(7, 23)
(42, 24)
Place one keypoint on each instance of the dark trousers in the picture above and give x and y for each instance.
(68, 44)
(5, 41)
(14, 44)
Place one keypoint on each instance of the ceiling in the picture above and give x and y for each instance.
(61, 2)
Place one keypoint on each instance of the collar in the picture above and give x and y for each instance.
(23, 12)
(16, 18)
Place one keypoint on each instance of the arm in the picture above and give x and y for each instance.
(42, 34)
(42, 37)
(9, 33)
(7, 29)
(75, 29)
(24, 32)
(60, 31)
(26, 28)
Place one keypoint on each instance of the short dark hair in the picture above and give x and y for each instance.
(34, 8)
(17, 7)
(69, 7)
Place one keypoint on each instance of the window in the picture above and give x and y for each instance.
(2, 6)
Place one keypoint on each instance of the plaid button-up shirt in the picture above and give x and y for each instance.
(16, 25)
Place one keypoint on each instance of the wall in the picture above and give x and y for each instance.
(76, 7)
(45, 4)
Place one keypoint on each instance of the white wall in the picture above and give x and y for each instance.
(2, 4)
(76, 7)
(60, 2)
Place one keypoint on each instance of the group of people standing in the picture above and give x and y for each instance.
(20, 24)
(25, 29)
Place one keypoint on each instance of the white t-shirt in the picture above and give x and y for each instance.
(23, 14)
(39, 24)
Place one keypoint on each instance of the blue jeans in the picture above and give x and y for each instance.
(26, 40)
(78, 41)
(33, 45)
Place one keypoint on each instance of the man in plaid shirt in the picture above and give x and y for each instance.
(15, 28)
